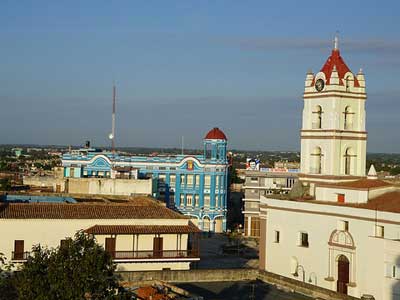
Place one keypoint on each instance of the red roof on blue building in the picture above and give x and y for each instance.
(215, 134)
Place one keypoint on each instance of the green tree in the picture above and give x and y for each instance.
(5, 184)
(7, 290)
(78, 269)
(234, 178)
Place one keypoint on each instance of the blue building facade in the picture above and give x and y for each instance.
(196, 185)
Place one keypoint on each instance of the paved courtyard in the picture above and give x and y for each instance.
(240, 290)
(212, 256)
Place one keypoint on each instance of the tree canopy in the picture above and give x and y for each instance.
(78, 269)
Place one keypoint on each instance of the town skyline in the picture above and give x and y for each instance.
(231, 69)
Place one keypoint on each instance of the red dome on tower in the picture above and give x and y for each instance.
(215, 134)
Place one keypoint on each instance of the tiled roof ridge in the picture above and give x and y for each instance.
(85, 211)
(130, 229)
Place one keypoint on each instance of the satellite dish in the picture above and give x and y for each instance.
(110, 136)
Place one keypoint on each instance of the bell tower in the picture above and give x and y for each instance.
(333, 135)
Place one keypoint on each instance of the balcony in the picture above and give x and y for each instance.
(21, 256)
(154, 254)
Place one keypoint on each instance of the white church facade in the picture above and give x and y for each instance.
(339, 229)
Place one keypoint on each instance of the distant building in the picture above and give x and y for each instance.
(342, 230)
(140, 236)
(196, 185)
(260, 183)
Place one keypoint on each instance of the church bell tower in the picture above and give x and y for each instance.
(333, 134)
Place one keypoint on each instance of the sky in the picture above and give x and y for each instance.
(184, 67)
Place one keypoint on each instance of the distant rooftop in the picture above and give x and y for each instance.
(360, 184)
(35, 199)
(141, 209)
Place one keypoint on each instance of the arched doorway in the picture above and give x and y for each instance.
(218, 224)
(206, 224)
(343, 274)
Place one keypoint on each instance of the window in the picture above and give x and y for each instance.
(182, 179)
(196, 200)
(110, 246)
(157, 246)
(348, 161)
(340, 198)
(189, 200)
(172, 180)
(392, 271)
(316, 161)
(63, 243)
(162, 168)
(207, 200)
(277, 236)
(303, 239)
(254, 179)
(207, 180)
(348, 118)
(217, 182)
(197, 180)
(379, 231)
(255, 227)
(189, 180)
(317, 122)
(18, 250)
(182, 200)
(343, 225)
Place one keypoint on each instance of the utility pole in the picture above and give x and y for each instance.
(112, 134)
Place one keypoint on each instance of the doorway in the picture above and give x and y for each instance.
(343, 274)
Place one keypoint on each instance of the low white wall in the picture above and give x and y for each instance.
(351, 196)
(108, 186)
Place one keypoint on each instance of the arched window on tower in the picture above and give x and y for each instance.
(348, 161)
(347, 79)
(317, 119)
(348, 118)
(316, 161)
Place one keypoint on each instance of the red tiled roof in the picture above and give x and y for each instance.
(149, 292)
(336, 60)
(141, 229)
(389, 202)
(85, 211)
(359, 184)
(215, 134)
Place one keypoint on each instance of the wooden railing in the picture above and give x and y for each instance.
(151, 254)
(20, 255)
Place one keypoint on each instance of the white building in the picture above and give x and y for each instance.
(342, 231)
(140, 236)
(260, 183)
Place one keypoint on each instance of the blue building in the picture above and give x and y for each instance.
(196, 185)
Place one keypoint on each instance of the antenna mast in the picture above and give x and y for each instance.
(112, 134)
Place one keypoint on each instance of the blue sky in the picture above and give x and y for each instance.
(183, 67)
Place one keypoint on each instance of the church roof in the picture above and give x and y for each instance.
(215, 134)
(335, 61)
(359, 184)
(389, 202)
